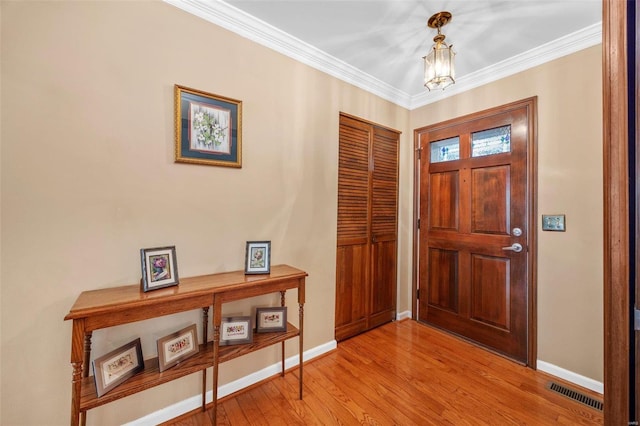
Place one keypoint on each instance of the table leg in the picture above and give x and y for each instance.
(85, 369)
(205, 330)
(77, 358)
(87, 354)
(76, 389)
(300, 341)
(282, 303)
(217, 319)
(282, 361)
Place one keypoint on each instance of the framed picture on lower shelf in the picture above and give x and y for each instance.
(117, 366)
(177, 346)
(271, 319)
(235, 330)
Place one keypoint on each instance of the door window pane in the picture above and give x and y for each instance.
(445, 150)
(492, 141)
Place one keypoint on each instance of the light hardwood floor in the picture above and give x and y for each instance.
(404, 373)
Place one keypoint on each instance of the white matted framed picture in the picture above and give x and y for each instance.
(177, 347)
(257, 257)
(271, 319)
(235, 330)
(114, 368)
(159, 267)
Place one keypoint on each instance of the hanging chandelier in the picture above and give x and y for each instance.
(439, 69)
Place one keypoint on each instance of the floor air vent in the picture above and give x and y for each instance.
(576, 396)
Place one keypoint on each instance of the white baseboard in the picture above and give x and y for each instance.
(572, 377)
(194, 402)
(403, 315)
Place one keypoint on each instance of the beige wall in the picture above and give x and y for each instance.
(88, 179)
(569, 91)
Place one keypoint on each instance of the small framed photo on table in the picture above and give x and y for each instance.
(159, 267)
(114, 368)
(257, 257)
(235, 330)
(177, 346)
(271, 319)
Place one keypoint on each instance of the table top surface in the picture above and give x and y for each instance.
(93, 302)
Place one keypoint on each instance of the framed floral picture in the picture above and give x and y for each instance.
(208, 128)
(257, 257)
(235, 330)
(177, 346)
(159, 267)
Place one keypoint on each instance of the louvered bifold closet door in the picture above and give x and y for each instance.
(367, 227)
(384, 226)
(352, 260)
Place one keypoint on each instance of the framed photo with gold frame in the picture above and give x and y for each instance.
(208, 128)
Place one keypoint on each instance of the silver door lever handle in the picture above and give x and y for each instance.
(514, 247)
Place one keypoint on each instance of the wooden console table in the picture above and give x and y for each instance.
(109, 307)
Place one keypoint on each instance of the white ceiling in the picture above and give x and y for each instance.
(378, 45)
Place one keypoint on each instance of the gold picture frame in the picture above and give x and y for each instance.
(208, 128)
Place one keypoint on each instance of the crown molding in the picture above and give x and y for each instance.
(247, 26)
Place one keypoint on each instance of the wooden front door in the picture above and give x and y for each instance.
(476, 230)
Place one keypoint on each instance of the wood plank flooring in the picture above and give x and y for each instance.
(404, 373)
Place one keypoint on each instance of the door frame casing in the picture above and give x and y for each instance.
(531, 188)
(617, 345)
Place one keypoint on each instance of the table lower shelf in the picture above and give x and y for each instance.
(151, 375)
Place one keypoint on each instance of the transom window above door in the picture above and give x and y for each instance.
(445, 150)
(485, 142)
(491, 142)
